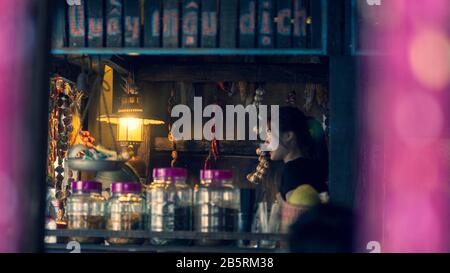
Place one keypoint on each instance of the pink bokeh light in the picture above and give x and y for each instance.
(13, 60)
(405, 193)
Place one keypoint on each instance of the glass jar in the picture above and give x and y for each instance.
(86, 209)
(125, 211)
(169, 203)
(216, 204)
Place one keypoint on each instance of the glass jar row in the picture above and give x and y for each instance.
(167, 204)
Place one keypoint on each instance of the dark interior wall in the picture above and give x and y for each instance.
(240, 158)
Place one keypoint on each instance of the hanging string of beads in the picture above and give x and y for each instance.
(170, 105)
(263, 161)
(65, 102)
(213, 153)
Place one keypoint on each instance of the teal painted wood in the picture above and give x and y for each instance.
(209, 23)
(95, 27)
(186, 51)
(76, 15)
(114, 27)
(265, 24)
(132, 23)
(152, 23)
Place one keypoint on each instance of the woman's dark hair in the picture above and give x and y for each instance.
(291, 119)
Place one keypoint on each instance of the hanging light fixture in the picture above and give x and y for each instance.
(130, 118)
(130, 124)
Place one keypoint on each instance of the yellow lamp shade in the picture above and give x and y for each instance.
(115, 119)
(130, 129)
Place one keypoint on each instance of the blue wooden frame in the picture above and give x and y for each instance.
(354, 35)
(208, 51)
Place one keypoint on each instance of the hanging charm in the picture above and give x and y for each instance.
(261, 169)
(310, 93)
(64, 122)
(227, 87)
(170, 105)
(291, 98)
(259, 93)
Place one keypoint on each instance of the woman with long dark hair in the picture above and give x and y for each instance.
(302, 148)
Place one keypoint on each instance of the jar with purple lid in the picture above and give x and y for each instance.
(169, 203)
(86, 209)
(216, 204)
(125, 210)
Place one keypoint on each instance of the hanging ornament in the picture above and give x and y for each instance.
(309, 96)
(65, 102)
(291, 98)
(261, 169)
(244, 92)
(227, 87)
(213, 148)
(321, 96)
(259, 93)
(212, 154)
(170, 105)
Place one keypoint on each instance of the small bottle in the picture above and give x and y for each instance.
(125, 211)
(216, 204)
(169, 203)
(86, 209)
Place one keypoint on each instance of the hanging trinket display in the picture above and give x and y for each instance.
(64, 122)
(263, 161)
(261, 169)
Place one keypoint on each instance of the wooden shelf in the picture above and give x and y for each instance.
(101, 248)
(188, 51)
(185, 235)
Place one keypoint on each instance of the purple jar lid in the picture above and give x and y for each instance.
(126, 187)
(169, 172)
(216, 174)
(86, 186)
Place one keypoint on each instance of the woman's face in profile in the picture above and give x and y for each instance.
(280, 151)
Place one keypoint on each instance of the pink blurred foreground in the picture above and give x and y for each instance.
(404, 188)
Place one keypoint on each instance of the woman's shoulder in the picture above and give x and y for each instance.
(306, 171)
